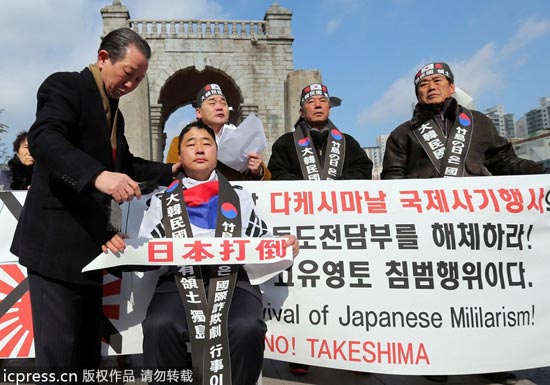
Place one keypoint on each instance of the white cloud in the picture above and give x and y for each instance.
(396, 102)
(39, 37)
(344, 5)
(479, 72)
(170, 9)
(333, 24)
(35, 28)
(528, 31)
(475, 75)
(344, 9)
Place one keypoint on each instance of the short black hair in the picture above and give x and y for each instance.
(196, 124)
(20, 138)
(117, 42)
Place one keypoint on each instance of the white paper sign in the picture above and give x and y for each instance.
(237, 142)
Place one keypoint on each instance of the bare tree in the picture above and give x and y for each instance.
(4, 153)
(3, 127)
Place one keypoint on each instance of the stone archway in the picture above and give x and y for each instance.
(251, 60)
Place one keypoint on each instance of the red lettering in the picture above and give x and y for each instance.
(160, 251)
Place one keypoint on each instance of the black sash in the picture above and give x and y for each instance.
(206, 319)
(448, 155)
(310, 165)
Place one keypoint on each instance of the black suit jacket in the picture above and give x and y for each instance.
(64, 219)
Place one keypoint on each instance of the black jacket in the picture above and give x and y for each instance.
(489, 153)
(21, 175)
(64, 219)
(284, 163)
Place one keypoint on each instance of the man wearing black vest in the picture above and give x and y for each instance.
(444, 139)
(317, 150)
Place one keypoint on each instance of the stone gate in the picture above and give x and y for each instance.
(252, 61)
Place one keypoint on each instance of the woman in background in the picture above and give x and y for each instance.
(21, 165)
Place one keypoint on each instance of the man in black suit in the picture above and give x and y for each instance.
(82, 163)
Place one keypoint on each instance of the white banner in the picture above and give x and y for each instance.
(196, 251)
(403, 277)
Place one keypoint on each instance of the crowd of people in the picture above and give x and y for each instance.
(81, 165)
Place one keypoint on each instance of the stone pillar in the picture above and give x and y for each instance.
(114, 16)
(247, 109)
(295, 82)
(135, 108)
(135, 105)
(158, 137)
(278, 22)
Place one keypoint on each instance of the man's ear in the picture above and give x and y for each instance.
(102, 57)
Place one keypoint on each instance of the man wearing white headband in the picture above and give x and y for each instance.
(445, 139)
(302, 154)
(212, 108)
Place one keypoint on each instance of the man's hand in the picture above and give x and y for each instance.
(255, 164)
(176, 167)
(291, 240)
(116, 244)
(119, 186)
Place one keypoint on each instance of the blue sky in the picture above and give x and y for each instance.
(367, 51)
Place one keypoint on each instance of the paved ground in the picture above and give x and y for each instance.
(276, 373)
